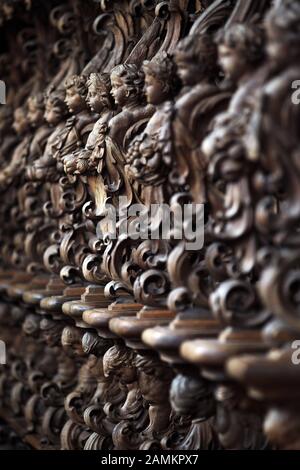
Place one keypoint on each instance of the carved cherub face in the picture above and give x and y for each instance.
(127, 82)
(99, 92)
(283, 33)
(74, 101)
(71, 340)
(127, 375)
(187, 72)
(93, 99)
(231, 61)
(20, 124)
(119, 90)
(154, 90)
(35, 112)
(278, 50)
(53, 113)
(196, 59)
(161, 79)
(118, 362)
(241, 48)
(97, 99)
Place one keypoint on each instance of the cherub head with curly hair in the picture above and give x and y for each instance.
(55, 107)
(21, 123)
(241, 49)
(76, 93)
(118, 361)
(161, 80)
(283, 32)
(127, 82)
(99, 92)
(196, 59)
(36, 109)
(71, 340)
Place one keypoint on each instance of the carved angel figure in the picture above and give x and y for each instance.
(127, 83)
(147, 161)
(18, 160)
(127, 89)
(241, 52)
(80, 124)
(100, 101)
(190, 116)
(45, 167)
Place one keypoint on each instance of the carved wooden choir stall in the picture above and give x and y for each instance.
(132, 342)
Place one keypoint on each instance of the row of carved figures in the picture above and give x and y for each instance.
(134, 343)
